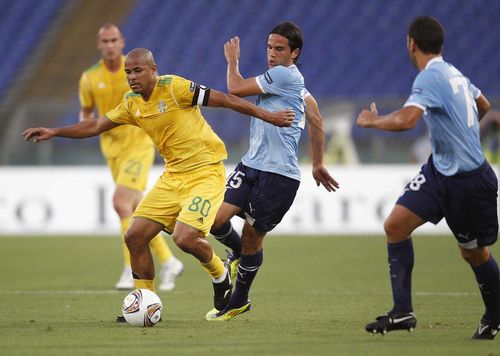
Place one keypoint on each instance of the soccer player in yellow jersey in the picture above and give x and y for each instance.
(185, 199)
(127, 149)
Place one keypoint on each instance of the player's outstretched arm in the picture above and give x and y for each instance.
(317, 136)
(229, 101)
(83, 129)
(399, 120)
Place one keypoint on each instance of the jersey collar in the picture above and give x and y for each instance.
(434, 60)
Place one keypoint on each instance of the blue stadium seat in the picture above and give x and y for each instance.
(21, 28)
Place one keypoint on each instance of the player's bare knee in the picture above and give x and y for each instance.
(394, 231)
(184, 242)
(134, 239)
(130, 240)
(251, 243)
(122, 208)
(475, 257)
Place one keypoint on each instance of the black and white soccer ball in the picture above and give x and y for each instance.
(142, 307)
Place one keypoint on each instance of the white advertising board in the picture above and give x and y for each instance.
(78, 200)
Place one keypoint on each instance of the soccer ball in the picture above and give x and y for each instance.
(142, 307)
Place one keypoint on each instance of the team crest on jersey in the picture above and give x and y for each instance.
(101, 85)
(162, 106)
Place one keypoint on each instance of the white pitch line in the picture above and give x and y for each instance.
(60, 292)
(418, 293)
(313, 292)
(447, 294)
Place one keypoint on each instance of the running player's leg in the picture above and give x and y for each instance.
(268, 201)
(398, 228)
(238, 186)
(137, 238)
(223, 230)
(475, 226)
(125, 201)
(416, 205)
(131, 178)
(200, 195)
(251, 260)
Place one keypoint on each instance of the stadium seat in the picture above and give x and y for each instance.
(23, 25)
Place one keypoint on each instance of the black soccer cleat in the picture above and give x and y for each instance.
(120, 319)
(392, 321)
(487, 330)
(222, 292)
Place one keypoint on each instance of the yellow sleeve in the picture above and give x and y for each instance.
(121, 114)
(187, 93)
(85, 92)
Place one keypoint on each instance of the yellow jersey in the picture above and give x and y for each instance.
(173, 120)
(101, 89)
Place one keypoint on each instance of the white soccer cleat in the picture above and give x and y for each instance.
(126, 280)
(169, 272)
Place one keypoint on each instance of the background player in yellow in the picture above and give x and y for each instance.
(128, 150)
(186, 197)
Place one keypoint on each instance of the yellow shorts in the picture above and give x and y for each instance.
(131, 168)
(192, 198)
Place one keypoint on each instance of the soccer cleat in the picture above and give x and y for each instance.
(232, 263)
(169, 272)
(227, 313)
(392, 321)
(126, 280)
(487, 330)
(222, 292)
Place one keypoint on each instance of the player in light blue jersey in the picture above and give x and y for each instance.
(263, 186)
(456, 183)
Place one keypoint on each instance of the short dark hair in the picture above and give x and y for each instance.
(427, 33)
(291, 32)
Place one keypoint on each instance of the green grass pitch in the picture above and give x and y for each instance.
(312, 296)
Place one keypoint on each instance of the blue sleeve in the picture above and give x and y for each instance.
(476, 93)
(274, 79)
(424, 92)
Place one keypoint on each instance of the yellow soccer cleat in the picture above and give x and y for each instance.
(232, 263)
(227, 313)
(233, 268)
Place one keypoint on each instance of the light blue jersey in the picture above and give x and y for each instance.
(450, 112)
(275, 149)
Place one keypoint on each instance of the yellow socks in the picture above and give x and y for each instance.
(160, 248)
(144, 283)
(215, 267)
(126, 255)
